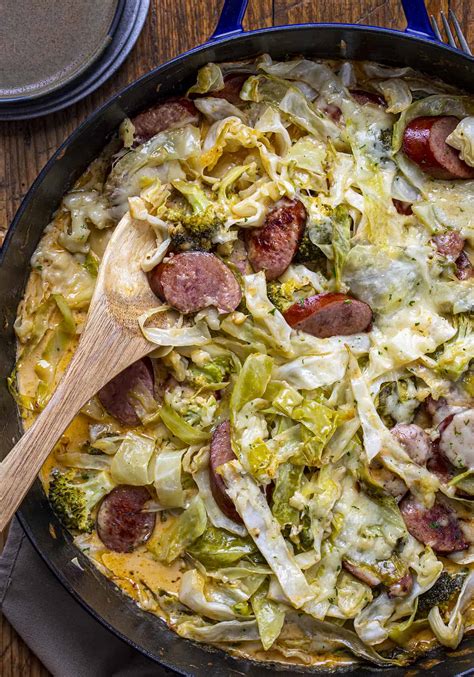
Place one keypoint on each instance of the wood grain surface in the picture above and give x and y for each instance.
(172, 27)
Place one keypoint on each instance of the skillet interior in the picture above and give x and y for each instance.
(94, 591)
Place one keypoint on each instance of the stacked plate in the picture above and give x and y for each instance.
(55, 53)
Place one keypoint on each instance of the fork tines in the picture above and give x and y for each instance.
(447, 22)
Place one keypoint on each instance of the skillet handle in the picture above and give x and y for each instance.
(230, 20)
(418, 22)
(233, 12)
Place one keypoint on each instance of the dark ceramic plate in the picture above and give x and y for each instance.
(126, 26)
(47, 44)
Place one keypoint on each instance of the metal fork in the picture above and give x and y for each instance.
(449, 33)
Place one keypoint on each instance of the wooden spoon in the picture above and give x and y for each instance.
(111, 340)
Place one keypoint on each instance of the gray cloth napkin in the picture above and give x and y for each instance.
(66, 639)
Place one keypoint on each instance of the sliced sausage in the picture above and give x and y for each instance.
(440, 409)
(437, 527)
(272, 247)
(122, 525)
(221, 452)
(233, 83)
(362, 97)
(329, 314)
(401, 588)
(192, 281)
(456, 440)
(154, 280)
(439, 465)
(415, 441)
(464, 269)
(175, 112)
(402, 207)
(115, 395)
(446, 421)
(449, 244)
(424, 142)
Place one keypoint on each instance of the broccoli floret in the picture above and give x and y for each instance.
(215, 371)
(307, 251)
(284, 294)
(192, 228)
(74, 494)
(191, 232)
(441, 593)
(184, 239)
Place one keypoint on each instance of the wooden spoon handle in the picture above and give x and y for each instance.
(91, 367)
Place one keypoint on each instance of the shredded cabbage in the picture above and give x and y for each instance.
(278, 539)
(265, 531)
(462, 138)
(131, 462)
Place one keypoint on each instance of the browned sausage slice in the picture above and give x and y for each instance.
(175, 112)
(437, 527)
(154, 280)
(329, 314)
(121, 523)
(439, 465)
(272, 247)
(464, 269)
(449, 244)
(402, 207)
(233, 83)
(424, 142)
(192, 281)
(221, 452)
(115, 395)
(362, 97)
(415, 441)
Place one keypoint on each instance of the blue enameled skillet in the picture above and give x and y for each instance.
(416, 47)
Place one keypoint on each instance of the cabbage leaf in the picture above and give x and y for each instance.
(179, 533)
(265, 531)
(462, 138)
(179, 427)
(166, 475)
(270, 617)
(131, 463)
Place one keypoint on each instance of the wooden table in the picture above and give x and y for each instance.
(172, 26)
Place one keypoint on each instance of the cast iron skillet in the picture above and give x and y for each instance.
(416, 47)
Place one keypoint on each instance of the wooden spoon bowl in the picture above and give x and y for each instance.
(110, 341)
